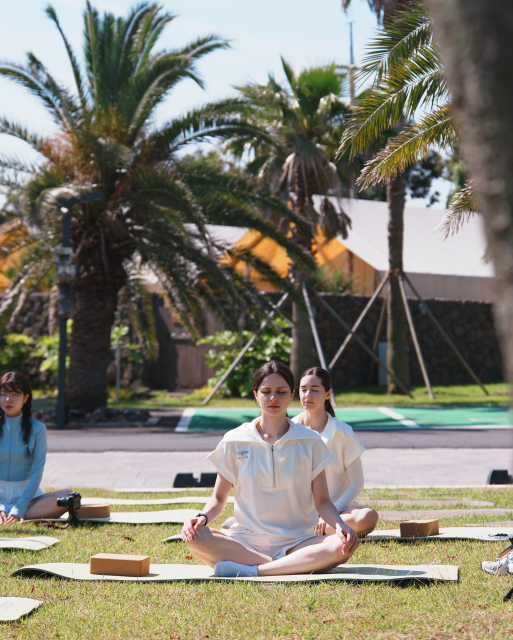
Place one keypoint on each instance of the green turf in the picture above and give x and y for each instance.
(368, 418)
(463, 394)
(471, 609)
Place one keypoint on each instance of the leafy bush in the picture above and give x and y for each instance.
(47, 347)
(272, 344)
(331, 280)
(129, 351)
(15, 351)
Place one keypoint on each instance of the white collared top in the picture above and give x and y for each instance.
(345, 447)
(272, 484)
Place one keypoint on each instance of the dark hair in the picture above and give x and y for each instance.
(325, 378)
(17, 382)
(273, 367)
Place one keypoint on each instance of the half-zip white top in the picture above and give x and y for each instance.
(272, 484)
(345, 447)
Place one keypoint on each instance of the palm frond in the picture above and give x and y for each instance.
(462, 207)
(20, 132)
(409, 31)
(50, 12)
(434, 130)
(141, 309)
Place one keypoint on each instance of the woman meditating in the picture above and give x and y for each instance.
(22, 456)
(276, 468)
(345, 474)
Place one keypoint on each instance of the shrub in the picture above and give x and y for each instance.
(47, 347)
(15, 351)
(272, 344)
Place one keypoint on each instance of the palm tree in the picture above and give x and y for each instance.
(475, 39)
(303, 118)
(410, 77)
(398, 359)
(152, 215)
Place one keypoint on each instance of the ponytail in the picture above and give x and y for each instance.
(328, 407)
(325, 378)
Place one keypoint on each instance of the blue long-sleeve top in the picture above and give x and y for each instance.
(20, 461)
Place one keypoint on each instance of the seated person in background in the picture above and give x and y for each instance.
(22, 456)
(276, 468)
(345, 474)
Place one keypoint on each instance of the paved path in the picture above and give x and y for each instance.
(165, 438)
(382, 467)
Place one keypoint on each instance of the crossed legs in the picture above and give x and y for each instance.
(363, 520)
(317, 554)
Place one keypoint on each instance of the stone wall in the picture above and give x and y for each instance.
(34, 321)
(469, 324)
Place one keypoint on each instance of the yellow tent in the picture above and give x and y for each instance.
(10, 234)
(331, 253)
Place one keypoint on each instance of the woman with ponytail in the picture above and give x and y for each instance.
(22, 456)
(345, 474)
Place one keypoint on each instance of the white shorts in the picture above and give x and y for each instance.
(11, 492)
(268, 545)
(273, 546)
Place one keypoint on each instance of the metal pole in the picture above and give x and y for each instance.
(118, 369)
(449, 341)
(377, 336)
(414, 336)
(63, 313)
(357, 324)
(244, 349)
(315, 334)
(363, 345)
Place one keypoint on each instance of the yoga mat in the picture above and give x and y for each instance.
(173, 516)
(14, 608)
(31, 544)
(489, 534)
(190, 572)
(181, 500)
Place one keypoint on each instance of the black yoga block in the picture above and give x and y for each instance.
(184, 481)
(187, 481)
(499, 476)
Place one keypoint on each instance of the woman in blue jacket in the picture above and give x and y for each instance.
(22, 456)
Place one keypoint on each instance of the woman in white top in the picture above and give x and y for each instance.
(276, 468)
(345, 474)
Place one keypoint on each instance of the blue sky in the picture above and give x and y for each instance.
(306, 33)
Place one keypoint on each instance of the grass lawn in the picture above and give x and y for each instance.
(465, 394)
(471, 608)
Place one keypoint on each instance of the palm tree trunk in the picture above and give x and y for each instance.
(94, 302)
(302, 355)
(475, 39)
(397, 327)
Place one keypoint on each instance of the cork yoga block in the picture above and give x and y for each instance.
(94, 511)
(114, 564)
(419, 528)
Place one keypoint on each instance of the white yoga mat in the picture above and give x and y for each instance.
(173, 516)
(190, 572)
(15, 608)
(31, 544)
(181, 500)
(491, 534)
